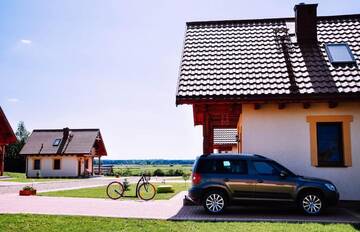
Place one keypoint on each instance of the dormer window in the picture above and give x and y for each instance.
(339, 53)
(56, 142)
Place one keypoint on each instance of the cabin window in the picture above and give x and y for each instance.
(57, 164)
(330, 141)
(37, 164)
(56, 142)
(339, 53)
(330, 144)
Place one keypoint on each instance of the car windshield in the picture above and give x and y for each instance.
(280, 168)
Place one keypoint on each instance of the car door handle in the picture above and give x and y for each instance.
(226, 180)
(260, 181)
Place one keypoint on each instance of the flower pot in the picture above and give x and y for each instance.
(25, 192)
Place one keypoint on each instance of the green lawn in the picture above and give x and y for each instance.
(42, 223)
(100, 192)
(20, 177)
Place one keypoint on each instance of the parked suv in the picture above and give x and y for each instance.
(222, 180)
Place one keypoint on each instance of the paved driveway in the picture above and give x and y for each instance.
(172, 209)
(336, 215)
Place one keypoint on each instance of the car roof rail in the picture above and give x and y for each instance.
(260, 156)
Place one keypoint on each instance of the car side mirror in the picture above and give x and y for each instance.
(284, 174)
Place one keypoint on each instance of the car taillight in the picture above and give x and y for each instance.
(196, 178)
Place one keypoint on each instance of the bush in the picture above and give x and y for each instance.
(159, 172)
(178, 172)
(170, 172)
(126, 184)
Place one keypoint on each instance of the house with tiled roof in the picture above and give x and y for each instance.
(63, 152)
(289, 86)
(7, 137)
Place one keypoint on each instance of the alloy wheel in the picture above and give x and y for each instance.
(312, 204)
(215, 203)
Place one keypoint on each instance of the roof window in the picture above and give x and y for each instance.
(56, 142)
(339, 53)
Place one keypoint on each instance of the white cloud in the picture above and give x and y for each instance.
(14, 100)
(25, 41)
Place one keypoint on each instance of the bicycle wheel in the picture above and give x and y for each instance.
(115, 190)
(146, 191)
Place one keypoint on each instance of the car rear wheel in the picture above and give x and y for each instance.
(311, 203)
(215, 202)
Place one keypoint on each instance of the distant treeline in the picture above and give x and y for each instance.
(146, 162)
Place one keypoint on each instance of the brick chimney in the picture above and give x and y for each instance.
(305, 23)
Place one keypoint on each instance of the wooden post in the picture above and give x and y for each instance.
(99, 172)
(208, 135)
(2, 157)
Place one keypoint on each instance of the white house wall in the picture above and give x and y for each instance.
(69, 166)
(284, 135)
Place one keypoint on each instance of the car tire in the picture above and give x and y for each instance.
(215, 202)
(311, 203)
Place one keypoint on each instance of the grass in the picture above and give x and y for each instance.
(45, 223)
(137, 170)
(100, 192)
(21, 177)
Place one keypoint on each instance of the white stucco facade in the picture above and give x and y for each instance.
(68, 166)
(284, 135)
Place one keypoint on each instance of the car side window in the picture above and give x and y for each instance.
(231, 166)
(265, 168)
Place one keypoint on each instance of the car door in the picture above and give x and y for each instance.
(270, 184)
(236, 178)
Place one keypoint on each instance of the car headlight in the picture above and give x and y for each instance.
(331, 187)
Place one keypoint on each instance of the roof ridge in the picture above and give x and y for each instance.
(60, 130)
(206, 22)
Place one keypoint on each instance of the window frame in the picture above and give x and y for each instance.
(339, 163)
(54, 160)
(331, 58)
(346, 137)
(34, 160)
(57, 142)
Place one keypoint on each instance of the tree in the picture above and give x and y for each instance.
(13, 161)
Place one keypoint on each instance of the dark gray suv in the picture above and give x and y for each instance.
(220, 180)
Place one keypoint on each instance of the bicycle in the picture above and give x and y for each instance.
(144, 189)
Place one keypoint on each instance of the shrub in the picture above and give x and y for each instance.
(126, 184)
(170, 172)
(178, 172)
(159, 172)
(28, 188)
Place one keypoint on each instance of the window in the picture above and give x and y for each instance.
(339, 53)
(37, 164)
(330, 144)
(265, 168)
(330, 140)
(56, 142)
(223, 166)
(57, 164)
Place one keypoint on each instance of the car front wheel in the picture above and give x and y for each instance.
(214, 202)
(311, 203)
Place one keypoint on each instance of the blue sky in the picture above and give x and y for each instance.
(113, 65)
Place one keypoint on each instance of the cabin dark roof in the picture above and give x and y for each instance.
(79, 141)
(244, 60)
(7, 135)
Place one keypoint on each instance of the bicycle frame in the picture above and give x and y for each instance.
(142, 180)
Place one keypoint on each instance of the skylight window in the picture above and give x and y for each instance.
(56, 142)
(339, 53)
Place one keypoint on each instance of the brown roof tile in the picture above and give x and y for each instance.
(243, 59)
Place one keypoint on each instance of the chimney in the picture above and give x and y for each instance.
(66, 132)
(305, 23)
